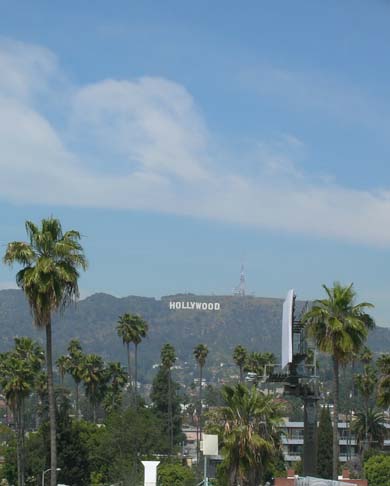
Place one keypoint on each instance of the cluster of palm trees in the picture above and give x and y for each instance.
(258, 365)
(103, 382)
(20, 370)
(132, 329)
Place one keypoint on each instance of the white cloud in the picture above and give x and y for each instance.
(143, 144)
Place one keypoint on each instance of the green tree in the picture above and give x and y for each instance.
(240, 355)
(116, 381)
(261, 364)
(165, 408)
(18, 371)
(366, 383)
(175, 474)
(125, 331)
(383, 364)
(248, 431)
(94, 376)
(339, 327)
(140, 330)
(50, 262)
(200, 354)
(75, 367)
(168, 358)
(377, 470)
(62, 366)
(369, 429)
(325, 445)
(127, 438)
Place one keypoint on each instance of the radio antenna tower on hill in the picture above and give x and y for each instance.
(241, 287)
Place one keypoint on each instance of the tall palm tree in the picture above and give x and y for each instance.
(240, 355)
(75, 367)
(140, 330)
(94, 376)
(247, 426)
(62, 366)
(383, 364)
(200, 353)
(339, 327)
(366, 383)
(18, 371)
(168, 358)
(125, 331)
(50, 262)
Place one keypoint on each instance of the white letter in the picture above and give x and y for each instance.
(217, 306)
(171, 305)
(204, 306)
(211, 306)
(198, 305)
(178, 305)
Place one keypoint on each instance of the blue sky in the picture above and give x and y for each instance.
(182, 138)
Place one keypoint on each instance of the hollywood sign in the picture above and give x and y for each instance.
(209, 306)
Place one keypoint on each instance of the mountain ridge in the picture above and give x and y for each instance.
(254, 322)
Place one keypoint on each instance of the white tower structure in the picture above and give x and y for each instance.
(241, 287)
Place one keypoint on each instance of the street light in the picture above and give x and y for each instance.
(44, 472)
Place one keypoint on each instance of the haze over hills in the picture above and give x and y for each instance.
(254, 322)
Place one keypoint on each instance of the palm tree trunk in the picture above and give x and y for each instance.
(16, 413)
(94, 412)
(241, 374)
(135, 372)
(22, 448)
(199, 413)
(366, 444)
(52, 407)
(170, 412)
(335, 417)
(129, 368)
(77, 401)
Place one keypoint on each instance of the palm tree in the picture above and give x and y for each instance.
(339, 327)
(366, 383)
(75, 367)
(126, 332)
(383, 364)
(94, 376)
(260, 364)
(168, 358)
(247, 426)
(50, 262)
(140, 330)
(62, 365)
(18, 371)
(365, 355)
(200, 353)
(240, 355)
(369, 428)
(117, 379)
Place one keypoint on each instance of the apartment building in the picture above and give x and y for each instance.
(292, 441)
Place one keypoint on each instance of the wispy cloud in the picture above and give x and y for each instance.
(143, 144)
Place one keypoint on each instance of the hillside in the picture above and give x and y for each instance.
(254, 322)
